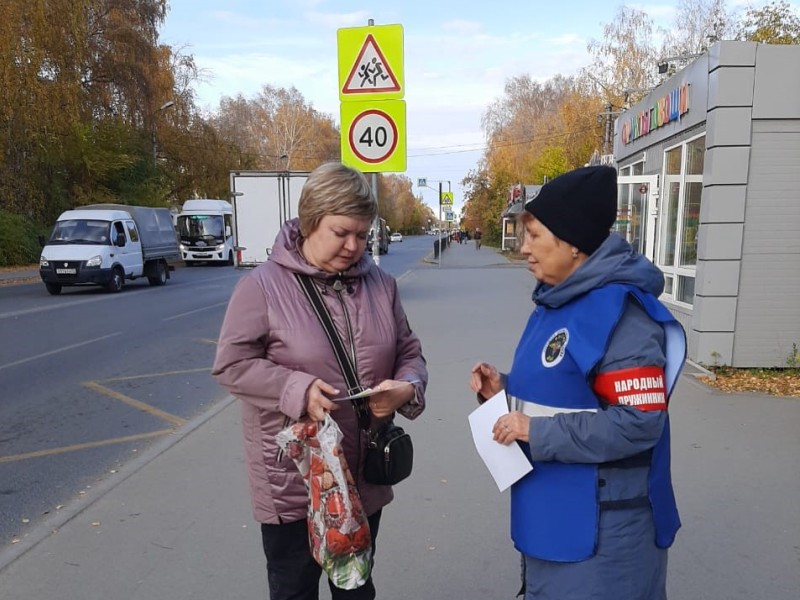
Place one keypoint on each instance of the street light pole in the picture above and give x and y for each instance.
(164, 106)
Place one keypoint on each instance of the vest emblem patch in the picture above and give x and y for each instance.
(555, 348)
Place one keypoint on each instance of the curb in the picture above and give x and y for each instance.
(19, 276)
(702, 371)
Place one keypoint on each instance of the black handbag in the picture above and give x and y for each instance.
(390, 453)
(390, 456)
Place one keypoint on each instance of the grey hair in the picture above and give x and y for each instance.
(334, 189)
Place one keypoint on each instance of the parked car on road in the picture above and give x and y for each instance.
(396, 237)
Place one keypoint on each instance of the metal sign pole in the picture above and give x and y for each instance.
(376, 224)
(439, 241)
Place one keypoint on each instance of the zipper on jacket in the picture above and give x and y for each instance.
(350, 336)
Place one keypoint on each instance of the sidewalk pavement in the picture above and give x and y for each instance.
(176, 523)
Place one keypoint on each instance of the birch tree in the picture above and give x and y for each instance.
(774, 23)
(623, 64)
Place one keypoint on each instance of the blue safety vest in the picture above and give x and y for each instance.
(554, 509)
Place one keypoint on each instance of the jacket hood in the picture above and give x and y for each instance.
(614, 261)
(286, 253)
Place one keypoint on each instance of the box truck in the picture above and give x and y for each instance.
(262, 202)
(108, 244)
(205, 229)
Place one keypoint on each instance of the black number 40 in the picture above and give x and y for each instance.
(380, 138)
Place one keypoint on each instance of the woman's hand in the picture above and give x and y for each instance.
(485, 380)
(392, 395)
(511, 427)
(318, 403)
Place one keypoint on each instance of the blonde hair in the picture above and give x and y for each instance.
(334, 189)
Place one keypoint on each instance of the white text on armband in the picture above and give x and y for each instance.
(638, 383)
(639, 387)
(640, 399)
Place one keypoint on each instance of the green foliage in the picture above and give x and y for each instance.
(19, 243)
(485, 201)
(551, 163)
(717, 367)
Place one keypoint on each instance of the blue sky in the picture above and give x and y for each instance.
(458, 56)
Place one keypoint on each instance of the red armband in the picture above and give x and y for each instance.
(639, 387)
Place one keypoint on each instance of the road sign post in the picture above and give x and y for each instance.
(441, 250)
(373, 114)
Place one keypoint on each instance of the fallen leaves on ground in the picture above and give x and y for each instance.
(775, 382)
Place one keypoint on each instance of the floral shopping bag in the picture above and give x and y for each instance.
(338, 530)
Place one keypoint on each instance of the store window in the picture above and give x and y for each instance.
(631, 207)
(634, 169)
(680, 217)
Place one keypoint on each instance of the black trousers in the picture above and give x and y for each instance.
(292, 572)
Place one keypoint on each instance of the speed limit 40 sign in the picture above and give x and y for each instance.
(374, 135)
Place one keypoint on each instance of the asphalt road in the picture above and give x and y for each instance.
(88, 380)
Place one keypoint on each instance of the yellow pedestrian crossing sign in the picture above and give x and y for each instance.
(447, 199)
(370, 63)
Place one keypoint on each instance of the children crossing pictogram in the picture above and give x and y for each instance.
(371, 72)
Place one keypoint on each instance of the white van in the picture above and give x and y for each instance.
(205, 229)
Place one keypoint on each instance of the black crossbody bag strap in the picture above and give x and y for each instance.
(380, 465)
(342, 357)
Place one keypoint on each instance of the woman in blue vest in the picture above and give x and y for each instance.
(588, 392)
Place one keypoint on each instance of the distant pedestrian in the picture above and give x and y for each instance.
(273, 354)
(477, 235)
(588, 393)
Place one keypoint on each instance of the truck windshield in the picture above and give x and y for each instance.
(200, 226)
(81, 231)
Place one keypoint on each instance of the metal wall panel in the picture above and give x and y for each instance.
(768, 313)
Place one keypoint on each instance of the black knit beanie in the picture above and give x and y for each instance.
(579, 207)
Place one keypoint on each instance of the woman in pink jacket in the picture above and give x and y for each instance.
(274, 356)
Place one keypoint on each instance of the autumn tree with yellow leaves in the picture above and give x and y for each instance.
(538, 130)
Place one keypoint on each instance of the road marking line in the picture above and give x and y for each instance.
(64, 349)
(60, 306)
(197, 310)
(404, 275)
(85, 446)
(165, 373)
(156, 412)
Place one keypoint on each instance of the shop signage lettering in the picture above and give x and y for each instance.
(667, 109)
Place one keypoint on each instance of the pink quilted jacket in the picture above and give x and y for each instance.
(272, 346)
